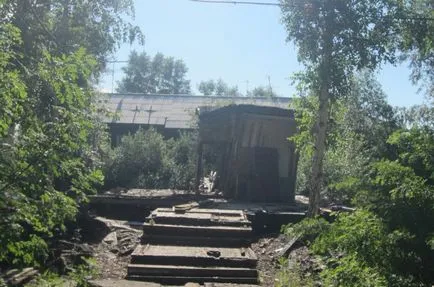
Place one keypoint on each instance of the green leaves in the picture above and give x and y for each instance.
(12, 87)
(147, 160)
(157, 75)
(50, 138)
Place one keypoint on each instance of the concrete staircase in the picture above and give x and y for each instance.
(195, 245)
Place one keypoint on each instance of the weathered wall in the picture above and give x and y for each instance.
(260, 162)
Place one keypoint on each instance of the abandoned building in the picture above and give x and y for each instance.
(169, 114)
(256, 161)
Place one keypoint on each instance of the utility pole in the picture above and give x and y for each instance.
(269, 85)
(247, 86)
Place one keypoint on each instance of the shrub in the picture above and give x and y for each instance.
(146, 160)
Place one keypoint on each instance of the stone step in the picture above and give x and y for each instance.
(197, 231)
(191, 272)
(195, 245)
(196, 241)
(194, 256)
(178, 280)
(200, 217)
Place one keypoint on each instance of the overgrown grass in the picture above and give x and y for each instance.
(291, 276)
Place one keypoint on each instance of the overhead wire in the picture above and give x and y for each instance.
(238, 2)
(280, 5)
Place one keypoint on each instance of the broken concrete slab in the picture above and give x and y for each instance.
(111, 238)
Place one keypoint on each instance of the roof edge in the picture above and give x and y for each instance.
(196, 96)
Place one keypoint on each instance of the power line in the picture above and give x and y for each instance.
(280, 5)
(238, 2)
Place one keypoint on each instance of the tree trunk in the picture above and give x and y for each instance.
(319, 150)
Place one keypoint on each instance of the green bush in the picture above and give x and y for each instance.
(358, 250)
(146, 160)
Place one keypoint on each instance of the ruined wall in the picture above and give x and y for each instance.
(263, 131)
(260, 163)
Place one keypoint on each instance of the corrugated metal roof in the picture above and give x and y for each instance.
(173, 111)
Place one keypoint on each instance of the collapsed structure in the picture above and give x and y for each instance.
(256, 160)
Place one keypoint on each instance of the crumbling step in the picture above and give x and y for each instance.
(197, 231)
(196, 241)
(194, 256)
(194, 245)
(176, 280)
(207, 274)
(203, 217)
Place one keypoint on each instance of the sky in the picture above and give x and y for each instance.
(243, 45)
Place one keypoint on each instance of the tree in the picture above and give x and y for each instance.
(261, 92)
(416, 41)
(63, 26)
(218, 88)
(52, 51)
(157, 75)
(360, 124)
(335, 38)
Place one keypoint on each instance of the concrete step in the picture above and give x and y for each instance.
(195, 245)
(196, 241)
(200, 217)
(192, 273)
(197, 231)
(177, 280)
(194, 256)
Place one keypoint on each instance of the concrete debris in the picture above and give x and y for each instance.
(111, 238)
(17, 277)
(284, 251)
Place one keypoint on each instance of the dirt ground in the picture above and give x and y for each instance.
(267, 250)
